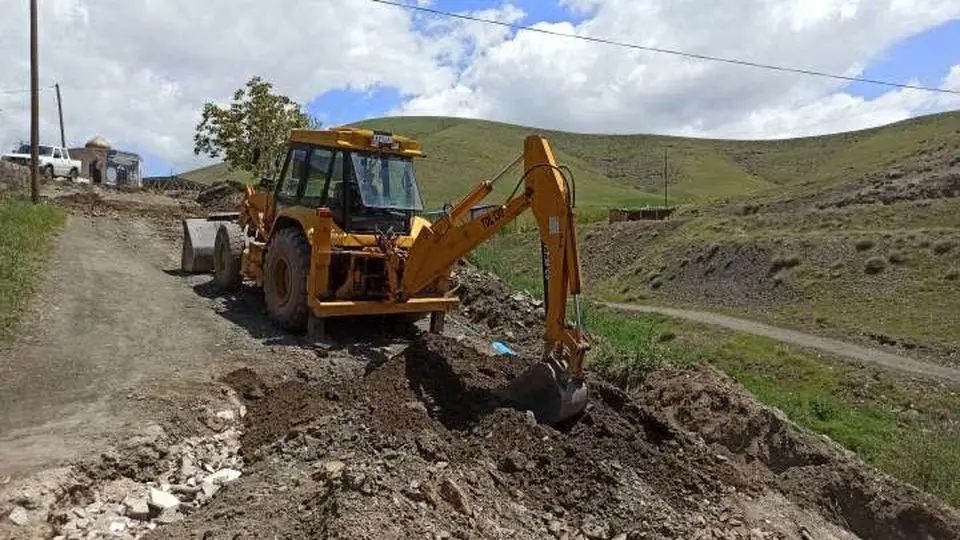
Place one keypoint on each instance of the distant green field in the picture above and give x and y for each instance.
(627, 170)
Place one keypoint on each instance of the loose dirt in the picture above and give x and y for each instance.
(389, 433)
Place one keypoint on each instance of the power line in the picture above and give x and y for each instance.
(665, 51)
(23, 90)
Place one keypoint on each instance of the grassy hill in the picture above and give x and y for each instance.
(626, 170)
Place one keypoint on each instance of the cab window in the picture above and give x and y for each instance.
(292, 173)
(314, 192)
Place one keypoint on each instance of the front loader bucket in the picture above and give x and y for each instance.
(548, 391)
(199, 235)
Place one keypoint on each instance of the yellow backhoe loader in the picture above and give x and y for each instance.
(342, 234)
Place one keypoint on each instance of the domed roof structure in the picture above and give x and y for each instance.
(98, 142)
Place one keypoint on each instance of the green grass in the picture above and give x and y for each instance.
(626, 170)
(26, 232)
(858, 408)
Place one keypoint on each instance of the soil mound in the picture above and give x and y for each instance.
(418, 448)
(221, 197)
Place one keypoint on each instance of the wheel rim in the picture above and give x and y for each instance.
(282, 281)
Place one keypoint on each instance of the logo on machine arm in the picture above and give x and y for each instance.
(492, 217)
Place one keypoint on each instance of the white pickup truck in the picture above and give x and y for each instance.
(54, 161)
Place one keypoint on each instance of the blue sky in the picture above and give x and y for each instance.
(925, 58)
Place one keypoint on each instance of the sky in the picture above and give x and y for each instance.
(138, 73)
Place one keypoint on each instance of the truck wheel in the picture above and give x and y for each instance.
(74, 173)
(227, 249)
(285, 279)
(48, 172)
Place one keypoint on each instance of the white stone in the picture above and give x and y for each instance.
(223, 476)
(162, 499)
(19, 516)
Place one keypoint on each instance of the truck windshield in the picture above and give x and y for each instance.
(387, 181)
(44, 150)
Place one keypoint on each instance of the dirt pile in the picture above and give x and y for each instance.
(89, 202)
(221, 197)
(418, 448)
(146, 482)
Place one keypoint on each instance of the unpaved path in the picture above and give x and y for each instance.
(109, 331)
(833, 346)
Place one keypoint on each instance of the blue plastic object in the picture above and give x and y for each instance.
(503, 349)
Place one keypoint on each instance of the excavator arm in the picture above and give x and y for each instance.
(545, 192)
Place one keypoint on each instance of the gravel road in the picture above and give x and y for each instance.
(832, 346)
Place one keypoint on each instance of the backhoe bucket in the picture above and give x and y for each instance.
(199, 236)
(548, 391)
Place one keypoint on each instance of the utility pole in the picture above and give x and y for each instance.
(63, 136)
(34, 107)
(664, 177)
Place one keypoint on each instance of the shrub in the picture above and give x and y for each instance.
(952, 275)
(864, 244)
(875, 265)
(942, 246)
(897, 258)
(785, 261)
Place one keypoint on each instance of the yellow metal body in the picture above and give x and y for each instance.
(415, 268)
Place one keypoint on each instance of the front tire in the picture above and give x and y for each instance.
(286, 268)
(74, 174)
(227, 249)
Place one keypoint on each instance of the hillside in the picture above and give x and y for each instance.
(872, 256)
(625, 170)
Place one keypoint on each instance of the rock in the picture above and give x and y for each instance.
(118, 526)
(333, 469)
(209, 489)
(430, 494)
(530, 418)
(355, 480)
(453, 494)
(168, 516)
(227, 415)
(514, 462)
(594, 530)
(30, 502)
(621, 536)
(188, 467)
(415, 405)
(18, 516)
(162, 499)
(136, 508)
(223, 476)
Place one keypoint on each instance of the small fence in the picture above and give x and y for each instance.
(652, 213)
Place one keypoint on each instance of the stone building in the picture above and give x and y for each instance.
(104, 165)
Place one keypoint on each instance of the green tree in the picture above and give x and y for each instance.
(252, 132)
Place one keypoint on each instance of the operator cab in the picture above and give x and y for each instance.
(365, 178)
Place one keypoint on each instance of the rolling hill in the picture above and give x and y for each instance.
(626, 170)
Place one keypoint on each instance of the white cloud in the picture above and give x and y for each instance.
(138, 72)
(562, 83)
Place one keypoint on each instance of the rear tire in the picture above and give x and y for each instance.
(227, 249)
(48, 172)
(286, 268)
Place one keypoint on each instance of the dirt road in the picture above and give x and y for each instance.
(832, 346)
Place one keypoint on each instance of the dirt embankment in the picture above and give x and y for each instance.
(418, 447)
